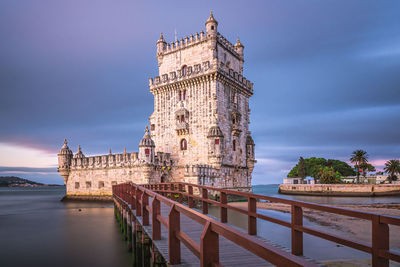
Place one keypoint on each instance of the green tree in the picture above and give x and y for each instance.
(340, 166)
(301, 169)
(358, 158)
(366, 168)
(327, 175)
(313, 165)
(392, 167)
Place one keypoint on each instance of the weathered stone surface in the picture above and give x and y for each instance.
(198, 130)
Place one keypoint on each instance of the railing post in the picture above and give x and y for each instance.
(128, 194)
(223, 210)
(154, 221)
(297, 236)
(138, 205)
(209, 247)
(133, 196)
(172, 189)
(145, 212)
(174, 245)
(180, 188)
(252, 220)
(204, 204)
(166, 189)
(190, 198)
(380, 241)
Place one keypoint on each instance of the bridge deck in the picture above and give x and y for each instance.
(230, 253)
(180, 225)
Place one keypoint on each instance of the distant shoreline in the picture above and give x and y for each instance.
(14, 181)
(30, 186)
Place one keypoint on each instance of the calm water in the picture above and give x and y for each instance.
(36, 229)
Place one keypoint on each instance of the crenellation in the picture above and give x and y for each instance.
(196, 70)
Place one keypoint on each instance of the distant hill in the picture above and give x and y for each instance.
(10, 181)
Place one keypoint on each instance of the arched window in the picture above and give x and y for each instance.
(183, 144)
(234, 145)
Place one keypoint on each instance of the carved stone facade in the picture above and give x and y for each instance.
(199, 127)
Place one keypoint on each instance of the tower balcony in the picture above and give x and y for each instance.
(182, 128)
(236, 130)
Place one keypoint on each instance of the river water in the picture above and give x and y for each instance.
(37, 229)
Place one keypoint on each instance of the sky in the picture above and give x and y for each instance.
(326, 77)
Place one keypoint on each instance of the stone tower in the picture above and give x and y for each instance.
(198, 130)
(201, 109)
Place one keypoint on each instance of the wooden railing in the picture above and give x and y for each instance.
(137, 196)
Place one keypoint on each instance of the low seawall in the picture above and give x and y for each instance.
(88, 197)
(340, 189)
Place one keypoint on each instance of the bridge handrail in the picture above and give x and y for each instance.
(381, 253)
(327, 208)
(135, 197)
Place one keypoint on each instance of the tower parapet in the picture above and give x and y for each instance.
(198, 71)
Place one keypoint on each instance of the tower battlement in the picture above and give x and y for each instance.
(117, 160)
(192, 40)
(199, 70)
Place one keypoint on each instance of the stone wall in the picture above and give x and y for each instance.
(99, 181)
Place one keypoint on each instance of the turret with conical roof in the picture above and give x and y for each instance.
(239, 47)
(64, 160)
(146, 148)
(211, 26)
(161, 44)
(79, 154)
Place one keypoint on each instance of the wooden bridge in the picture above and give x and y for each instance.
(166, 214)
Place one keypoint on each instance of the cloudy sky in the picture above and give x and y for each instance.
(326, 77)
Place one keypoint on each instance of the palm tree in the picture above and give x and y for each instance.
(359, 157)
(392, 167)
